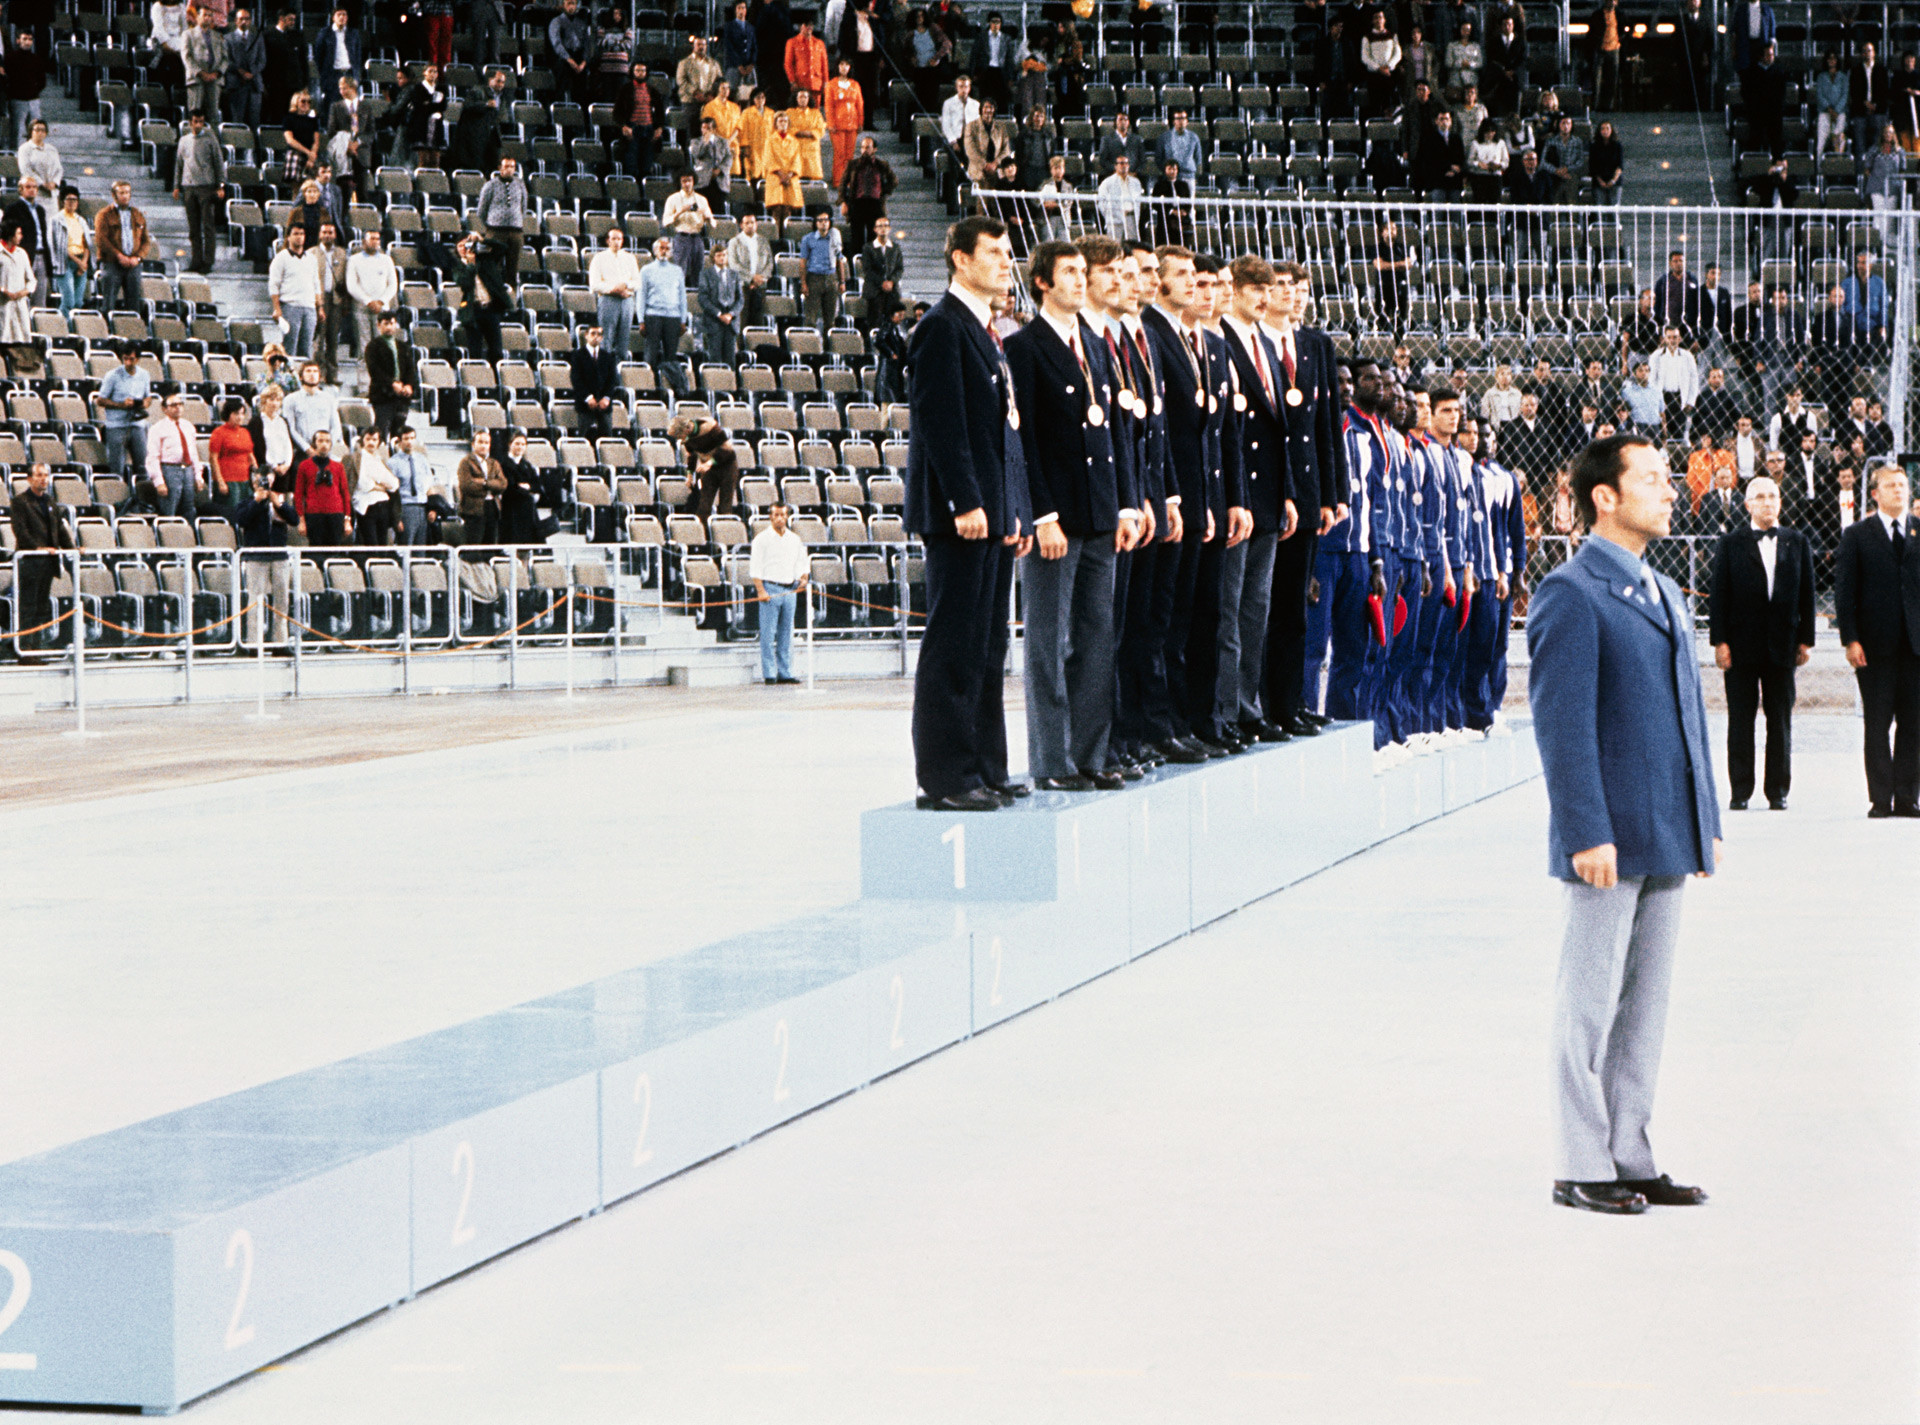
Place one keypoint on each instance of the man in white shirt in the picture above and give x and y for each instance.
(1118, 199)
(312, 408)
(173, 462)
(1676, 376)
(613, 276)
(373, 282)
(778, 565)
(960, 110)
(293, 286)
(1747, 449)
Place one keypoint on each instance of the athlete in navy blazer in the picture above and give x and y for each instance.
(967, 500)
(1622, 732)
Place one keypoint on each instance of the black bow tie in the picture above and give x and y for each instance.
(1765, 533)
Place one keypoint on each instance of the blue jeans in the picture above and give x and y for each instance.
(616, 325)
(125, 441)
(301, 324)
(776, 631)
(25, 111)
(73, 287)
(181, 498)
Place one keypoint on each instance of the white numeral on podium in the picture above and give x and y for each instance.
(956, 835)
(643, 1100)
(897, 992)
(782, 1040)
(463, 1231)
(17, 1293)
(993, 991)
(240, 1245)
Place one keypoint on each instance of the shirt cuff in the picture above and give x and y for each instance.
(1129, 514)
(1173, 502)
(1039, 520)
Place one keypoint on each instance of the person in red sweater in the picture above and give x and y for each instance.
(321, 497)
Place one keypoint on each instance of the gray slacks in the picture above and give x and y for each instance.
(1246, 591)
(1069, 639)
(1609, 1018)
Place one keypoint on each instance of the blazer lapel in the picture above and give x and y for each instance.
(1627, 589)
(1249, 373)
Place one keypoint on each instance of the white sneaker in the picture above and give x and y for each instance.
(1423, 744)
(1501, 727)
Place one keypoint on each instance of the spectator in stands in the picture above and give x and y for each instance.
(530, 505)
(1566, 159)
(1118, 200)
(264, 514)
(1333, 70)
(1501, 403)
(1381, 63)
(502, 210)
(882, 266)
(1763, 92)
(594, 375)
(923, 44)
(120, 239)
(374, 485)
(1605, 31)
(779, 566)
(485, 293)
(174, 466)
(1708, 457)
(1173, 219)
(843, 110)
(1465, 58)
(302, 133)
(1505, 71)
(393, 374)
(1392, 265)
(613, 277)
(321, 495)
(1792, 421)
(1879, 435)
(1529, 444)
(246, 67)
(1833, 349)
(1870, 94)
(338, 53)
(709, 457)
(475, 143)
(636, 113)
(723, 298)
(1033, 145)
(1880, 177)
(570, 41)
(688, 219)
(34, 226)
(1832, 96)
(1853, 423)
(1722, 509)
(26, 80)
(864, 188)
(1643, 400)
(1866, 301)
(285, 67)
(293, 287)
(204, 55)
(1715, 410)
(1641, 334)
(662, 303)
(123, 397)
(1748, 450)
(481, 483)
(1121, 142)
(984, 145)
(418, 119)
(279, 374)
(1487, 163)
(1904, 94)
(330, 309)
(773, 27)
(200, 183)
(960, 110)
(739, 50)
(1807, 481)
(1180, 146)
(38, 533)
(806, 60)
(1422, 65)
(613, 49)
(343, 150)
(1606, 165)
(1469, 114)
(824, 272)
(373, 286)
(890, 345)
(782, 197)
(1056, 218)
(40, 160)
(416, 477)
(993, 61)
(1440, 166)
(1677, 376)
(73, 249)
(312, 409)
(1386, 166)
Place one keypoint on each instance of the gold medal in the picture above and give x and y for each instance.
(1200, 399)
(1213, 404)
(1095, 416)
(1239, 400)
(1294, 397)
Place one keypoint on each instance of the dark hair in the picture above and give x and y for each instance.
(1207, 262)
(1436, 394)
(230, 407)
(1099, 249)
(1040, 266)
(200, 114)
(964, 236)
(1600, 464)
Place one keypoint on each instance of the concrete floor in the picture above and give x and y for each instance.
(1293, 1167)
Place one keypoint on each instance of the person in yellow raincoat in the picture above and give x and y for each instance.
(726, 122)
(781, 162)
(756, 127)
(809, 126)
(845, 109)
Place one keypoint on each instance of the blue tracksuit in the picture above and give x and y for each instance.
(1456, 502)
(1411, 660)
(1398, 535)
(1343, 565)
(1505, 549)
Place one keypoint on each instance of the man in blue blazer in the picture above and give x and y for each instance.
(337, 55)
(1084, 513)
(967, 500)
(1622, 733)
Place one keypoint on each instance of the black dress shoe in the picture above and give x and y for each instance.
(1232, 741)
(1303, 726)
(1129, 771)
(793, 682)
(1206, 746)
(1106, 781)
(1176, 750)
(1776, 803)
(1317, 719)
(1663, 1191)
(1737, 804)
(768, 681)
(1907, 811)
(1616, 1198)
(975, 799)
(1263, 731)
(1875, 813)
(1014, 789)
(1075, 783)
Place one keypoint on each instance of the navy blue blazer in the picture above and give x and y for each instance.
(1154, 474)
(962, 451)
(1186, 415)
(1619, 720)
(1226, 478)
(1074, 469)
(1261, 427)
(1130, 430)
(1318, 372)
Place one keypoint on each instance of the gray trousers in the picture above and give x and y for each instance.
(1609, 1019)
(1246, 590)
(1069, 639)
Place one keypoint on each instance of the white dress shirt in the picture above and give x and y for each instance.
(610, 269)
(778, 558)
(372, 277)
(956, 115)
(1769, 552)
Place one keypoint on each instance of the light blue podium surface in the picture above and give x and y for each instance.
(150, 1265)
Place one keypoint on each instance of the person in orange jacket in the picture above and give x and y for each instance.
(846, 111)
(807, 60)
(809, 127)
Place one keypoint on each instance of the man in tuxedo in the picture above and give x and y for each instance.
(1877, 605)
(1760, 622)
(1179, 353)
(1084, 513)
(1260, 421)
(393, 376)
(595, 373)
(1632, 813)
(967, 500)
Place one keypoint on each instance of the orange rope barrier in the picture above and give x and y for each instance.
(189, 633)
(565, 597)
